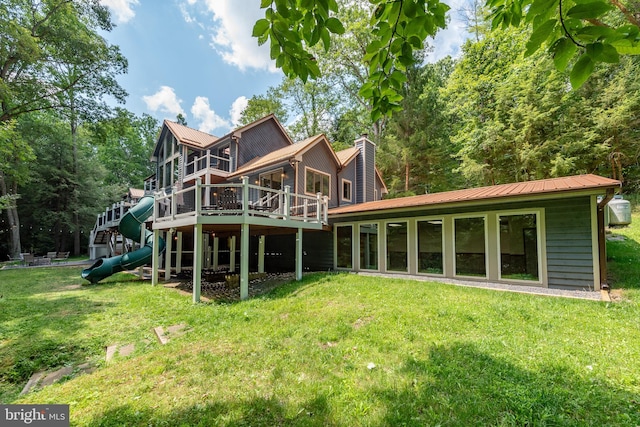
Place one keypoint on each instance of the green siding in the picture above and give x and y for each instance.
(568, 234)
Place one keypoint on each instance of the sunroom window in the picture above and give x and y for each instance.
(519, 247)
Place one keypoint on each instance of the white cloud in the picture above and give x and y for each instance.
(122, 9)
(165, 101)
(236, 110)
(231, 37)
(209, 120)
(449, 40)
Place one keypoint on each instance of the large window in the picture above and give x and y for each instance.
(344, 252)
(369, 246)
(470, 247)
(397, 246)
(519, 247)
(317, 182)
(430, 247)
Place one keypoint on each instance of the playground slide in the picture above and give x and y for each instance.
(130, 227)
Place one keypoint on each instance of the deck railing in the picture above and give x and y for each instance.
(207, 162)
(236, 199)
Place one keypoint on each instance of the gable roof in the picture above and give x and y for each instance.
(284, 154)
(188, 136)
(345, 156)
(484, 194)
(238, 131)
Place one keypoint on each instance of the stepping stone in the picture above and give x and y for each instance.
(33, 381)
(124, 351)
(173, 331)
(43, 379)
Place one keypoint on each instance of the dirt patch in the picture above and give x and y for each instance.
(226, 288)
(362, 322)
(617, 295)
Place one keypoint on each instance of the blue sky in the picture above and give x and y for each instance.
(197, 57)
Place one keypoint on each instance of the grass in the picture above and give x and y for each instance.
(333, 349)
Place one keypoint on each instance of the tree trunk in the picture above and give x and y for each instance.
(14, 220)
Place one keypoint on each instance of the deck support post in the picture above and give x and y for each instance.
(155, 257)
(261, 245)
(197, 262)
(216, 246)
(299, 254)
(179, 253)
(167, 257)
(232, 255)
(244, 261)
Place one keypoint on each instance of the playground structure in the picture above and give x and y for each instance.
(131, 226)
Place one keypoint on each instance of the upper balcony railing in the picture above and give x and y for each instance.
(207, 162)
(240, 199)
(111, 216)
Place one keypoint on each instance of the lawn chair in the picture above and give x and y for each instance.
(228, 200)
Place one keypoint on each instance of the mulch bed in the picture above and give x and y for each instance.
(217, 288)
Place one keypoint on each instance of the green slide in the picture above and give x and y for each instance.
(130, 227)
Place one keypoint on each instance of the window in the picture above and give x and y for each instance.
(430, 247)
(346, 190)
(344, 246)
(519, 247)
(368, 246)
(470, 246)
(397, 246)
(317, 182)
(272, 180)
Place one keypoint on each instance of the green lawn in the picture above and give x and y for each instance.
(334, 349)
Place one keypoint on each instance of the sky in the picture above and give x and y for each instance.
(197, 57)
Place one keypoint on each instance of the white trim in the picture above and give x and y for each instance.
(595, 250)
(308, 168)
(486, 245)
(343, 182)
(541, 269)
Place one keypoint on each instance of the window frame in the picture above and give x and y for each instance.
(406, 221)
(487, 249)
(342, 198)
(443, 238)
(308, 169)
(540, 253)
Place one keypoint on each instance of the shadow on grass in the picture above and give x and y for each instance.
(623, 262)
(460, 385)
(455, 385)
(255, 412)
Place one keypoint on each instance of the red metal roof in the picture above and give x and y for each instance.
(522, 189)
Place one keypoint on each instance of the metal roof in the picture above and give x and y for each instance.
(522, 189)
(188, 136)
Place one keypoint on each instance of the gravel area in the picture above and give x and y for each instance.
(535, 290)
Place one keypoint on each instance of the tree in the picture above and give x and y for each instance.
(52, 57)
(579, 34)
(15, 155)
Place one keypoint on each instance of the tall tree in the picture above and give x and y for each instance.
(52, 57)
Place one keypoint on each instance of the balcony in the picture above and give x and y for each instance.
(207, 164)
(238, 203)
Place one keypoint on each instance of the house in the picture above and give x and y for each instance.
(253, 200)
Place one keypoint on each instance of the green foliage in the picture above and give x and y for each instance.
(584, 32)
(579, 34)
(50, 50)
